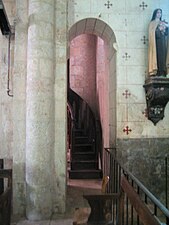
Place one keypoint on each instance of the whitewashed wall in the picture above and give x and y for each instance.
(129, 22)
(6, 102)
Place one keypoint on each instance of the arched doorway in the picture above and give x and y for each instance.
(102, 100)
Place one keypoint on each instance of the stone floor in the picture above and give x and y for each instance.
(75, 203)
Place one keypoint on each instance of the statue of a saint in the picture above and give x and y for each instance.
(158, 52)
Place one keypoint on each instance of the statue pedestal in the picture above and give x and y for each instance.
(157, 97)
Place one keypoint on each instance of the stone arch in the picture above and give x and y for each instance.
(101, 29)
(92, 26)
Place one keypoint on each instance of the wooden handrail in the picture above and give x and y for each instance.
(116, 171)
(146, 217)
(150, 195)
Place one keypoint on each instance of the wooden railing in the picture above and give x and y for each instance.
(166, 180)
(137, 205)
(83, 116)
(5, 196)
(70, 126)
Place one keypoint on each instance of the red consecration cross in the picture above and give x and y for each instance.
(127, 130)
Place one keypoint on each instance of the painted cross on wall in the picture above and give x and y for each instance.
(144, 40)
(143, 5)
(127, 130)
(126, 56)
(108, 4)
(126, 94)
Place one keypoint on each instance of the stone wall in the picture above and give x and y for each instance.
(6, 102)
(146, 159)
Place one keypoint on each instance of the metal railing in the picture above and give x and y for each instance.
(131, 210)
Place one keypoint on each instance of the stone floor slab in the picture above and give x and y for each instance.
(51, 222)
(27, 222)
(74, 203)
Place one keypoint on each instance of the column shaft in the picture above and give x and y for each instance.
(40, 109)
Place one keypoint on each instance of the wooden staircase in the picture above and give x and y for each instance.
(84, 155)
(84, 161)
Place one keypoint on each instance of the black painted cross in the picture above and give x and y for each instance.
(108, 4)
(126, 94)
(144, 39)
(126, 56)
(127, 130)
(143, 5)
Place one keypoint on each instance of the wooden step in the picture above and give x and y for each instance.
(83, 156)
(84, 147)
(81, 140)
(85, 174)
(84, 165)
(78, 132)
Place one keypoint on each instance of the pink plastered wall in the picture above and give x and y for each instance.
(102, 95)
(83, 68)
(89, 76)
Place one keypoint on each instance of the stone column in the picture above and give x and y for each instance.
(40, 109)
(60, 106)
(19, 107)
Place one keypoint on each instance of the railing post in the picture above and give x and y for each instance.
(166, 180)
(1, 179)
(167, 221)
(121, 209)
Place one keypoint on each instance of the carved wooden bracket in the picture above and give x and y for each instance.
(157, 97)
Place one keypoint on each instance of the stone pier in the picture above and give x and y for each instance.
(40, 109)
(19, 108)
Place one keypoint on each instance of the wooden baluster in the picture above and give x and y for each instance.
(1, 179)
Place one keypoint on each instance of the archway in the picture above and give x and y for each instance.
(105, 78)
